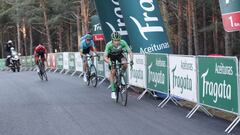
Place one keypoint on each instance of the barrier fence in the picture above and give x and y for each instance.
(205, 81)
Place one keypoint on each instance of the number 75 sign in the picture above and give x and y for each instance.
(230, 10)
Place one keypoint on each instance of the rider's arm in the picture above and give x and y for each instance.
(128, 49)
(93, 47)
(81, 52)
(106, 52)
(81, 49)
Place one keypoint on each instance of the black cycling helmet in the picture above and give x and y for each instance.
(115, 36)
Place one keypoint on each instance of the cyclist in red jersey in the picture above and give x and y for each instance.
(40, 50)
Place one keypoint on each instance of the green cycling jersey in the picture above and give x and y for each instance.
(111, 49)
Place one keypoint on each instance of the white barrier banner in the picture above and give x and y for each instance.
(65, 61)
(183, 77)
(78, 62)
(137, 76)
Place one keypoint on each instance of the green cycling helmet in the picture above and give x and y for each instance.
(88, 36)
(115, 36)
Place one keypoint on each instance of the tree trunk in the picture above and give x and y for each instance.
(24, 37)
(43, 6)
(215, 23)
(60, 30)
(228, 47)
(164, 6)
(31, 40)
(78, 27)
(85, 15)
(205, 48)
(2, 43)
(190, 27)
(180, 27)
(195, 28)
(70, 37)
(18, 39)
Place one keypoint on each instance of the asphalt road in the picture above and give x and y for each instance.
(66, 106)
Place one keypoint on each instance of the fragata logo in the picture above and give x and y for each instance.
(215, 89)
(121, 25)
(147, 6)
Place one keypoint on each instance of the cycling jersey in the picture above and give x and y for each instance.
(112, 50)
(87, 47)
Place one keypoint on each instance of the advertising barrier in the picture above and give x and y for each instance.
(137, 75)
(183, 77)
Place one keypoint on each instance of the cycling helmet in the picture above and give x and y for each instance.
(88, 36)
(115, 36)
(9, 42)
(12, 48)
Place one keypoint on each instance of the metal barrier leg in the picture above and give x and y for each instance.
(193, 110)
(109, 86)
(233, 125)
(206, 111)
(67, 72)
(61, 71)
(144, 92)
(175, 100)
(164, 101)
(81, 74)
(55, 71)
(102, 81)
(73, 73)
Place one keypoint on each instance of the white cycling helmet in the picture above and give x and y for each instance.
(9, 42)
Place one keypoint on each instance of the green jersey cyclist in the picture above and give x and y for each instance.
(114, 51)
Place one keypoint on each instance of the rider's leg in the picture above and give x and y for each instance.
(111, 78)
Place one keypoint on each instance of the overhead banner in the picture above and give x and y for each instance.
(157, 72)
(183, 77)
(230, 10)
(137, 75)
(111, 18)
(218, 82)
(145, 26)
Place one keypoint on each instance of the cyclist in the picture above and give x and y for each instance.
(40, 50)
(114, 51)
(9, 47)
(87, 45)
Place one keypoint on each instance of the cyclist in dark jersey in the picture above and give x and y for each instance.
(114, 51)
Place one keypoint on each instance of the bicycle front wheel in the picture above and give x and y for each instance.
(123, 92)
(45, 76)
(93, 76)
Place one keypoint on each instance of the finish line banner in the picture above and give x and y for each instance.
(145, 26)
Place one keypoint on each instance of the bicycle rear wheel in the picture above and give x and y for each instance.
(93, 76)
(40, 73)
